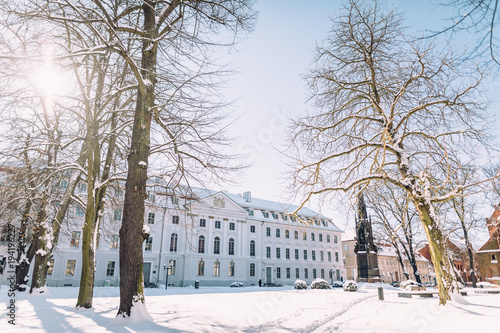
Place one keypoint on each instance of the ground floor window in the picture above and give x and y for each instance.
(252, 269)
(322, 273)
(306, 273)
(217, 267)
(314, 273)
(297, 273)
(231, 268)
(50, 269)
(288, 272)
(110, 271)
(70, 267)
(201, 267)
(278, 272)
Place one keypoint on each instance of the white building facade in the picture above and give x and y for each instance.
(215, 238)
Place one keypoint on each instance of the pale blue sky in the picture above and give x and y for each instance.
(269, 84)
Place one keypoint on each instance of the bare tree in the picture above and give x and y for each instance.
(397, 221)
(167, 47)
(390, 111)
(477, 17)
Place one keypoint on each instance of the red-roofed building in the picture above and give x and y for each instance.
(487, 255)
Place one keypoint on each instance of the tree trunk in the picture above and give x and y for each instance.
(436, 246)
(23, 257)
(40, 243)
(131, 232)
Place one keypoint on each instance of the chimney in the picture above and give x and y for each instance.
(247, 196)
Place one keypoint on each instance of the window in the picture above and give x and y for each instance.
(149, 244)
(268, 252)
(175, 219)
(329, 256)
(250, 212)
(266, 214)
(312, 236)
(321, 256)
(173, 242)
(201, 267)
(151, 218)
(287, 233)
(217, 268)
(172, 264)
(268, 232)
(278, 272)
(336, 256)
(313, 255)
(296, 254)
(278, 253)
(328, 238)
(151, 196)
(201, 244)
(296, 234)
(79, 211)
(304, 236)
(75, 239)
(320, 237)
(305, 254)
(314, 273)
(287, 253)
(231, 226)
(346, 248)
(63, 184)
(252, 248)
(231, 246)
(217, 224)
(275, 216)
(297, 273)
(113, 243)
(493, 257)
(203, 223)
(231, 268)
(306, 274)
(216, 245)
(50, 269)
(110, 270)
(335, 239)
(278, 233)
(70, 267)
(117, 215)
(288, 272)
(322, 273)
(252, 269)
(252, 229)
(120, 194)
(82, 187)
(174, 200)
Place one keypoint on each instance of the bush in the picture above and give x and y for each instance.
(300, 284)
(408, 283)
(320, 284)
(350, 285)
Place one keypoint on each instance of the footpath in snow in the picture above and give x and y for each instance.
(253, 309)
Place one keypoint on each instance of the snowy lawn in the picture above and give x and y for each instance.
(254, 309)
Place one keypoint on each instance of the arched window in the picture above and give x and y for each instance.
(201, 244)
(216, 245)
(231, 246)
(252, 248)
(173, 242)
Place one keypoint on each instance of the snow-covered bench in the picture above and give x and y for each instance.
(409, 294)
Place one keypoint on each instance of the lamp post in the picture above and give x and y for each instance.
(169, 269)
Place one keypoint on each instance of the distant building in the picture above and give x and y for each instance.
(459, 257)
(488, 255)
(213, 237)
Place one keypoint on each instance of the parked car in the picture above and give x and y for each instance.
(395, 283)
(237, 285)
(272, 284)
(337, 284)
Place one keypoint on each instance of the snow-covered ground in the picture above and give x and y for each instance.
(253, 309)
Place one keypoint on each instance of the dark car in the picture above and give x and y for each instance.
(395, 283)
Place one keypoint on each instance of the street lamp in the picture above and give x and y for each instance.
(169, 269)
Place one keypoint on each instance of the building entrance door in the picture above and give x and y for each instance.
(146, 270)
(269, 275)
